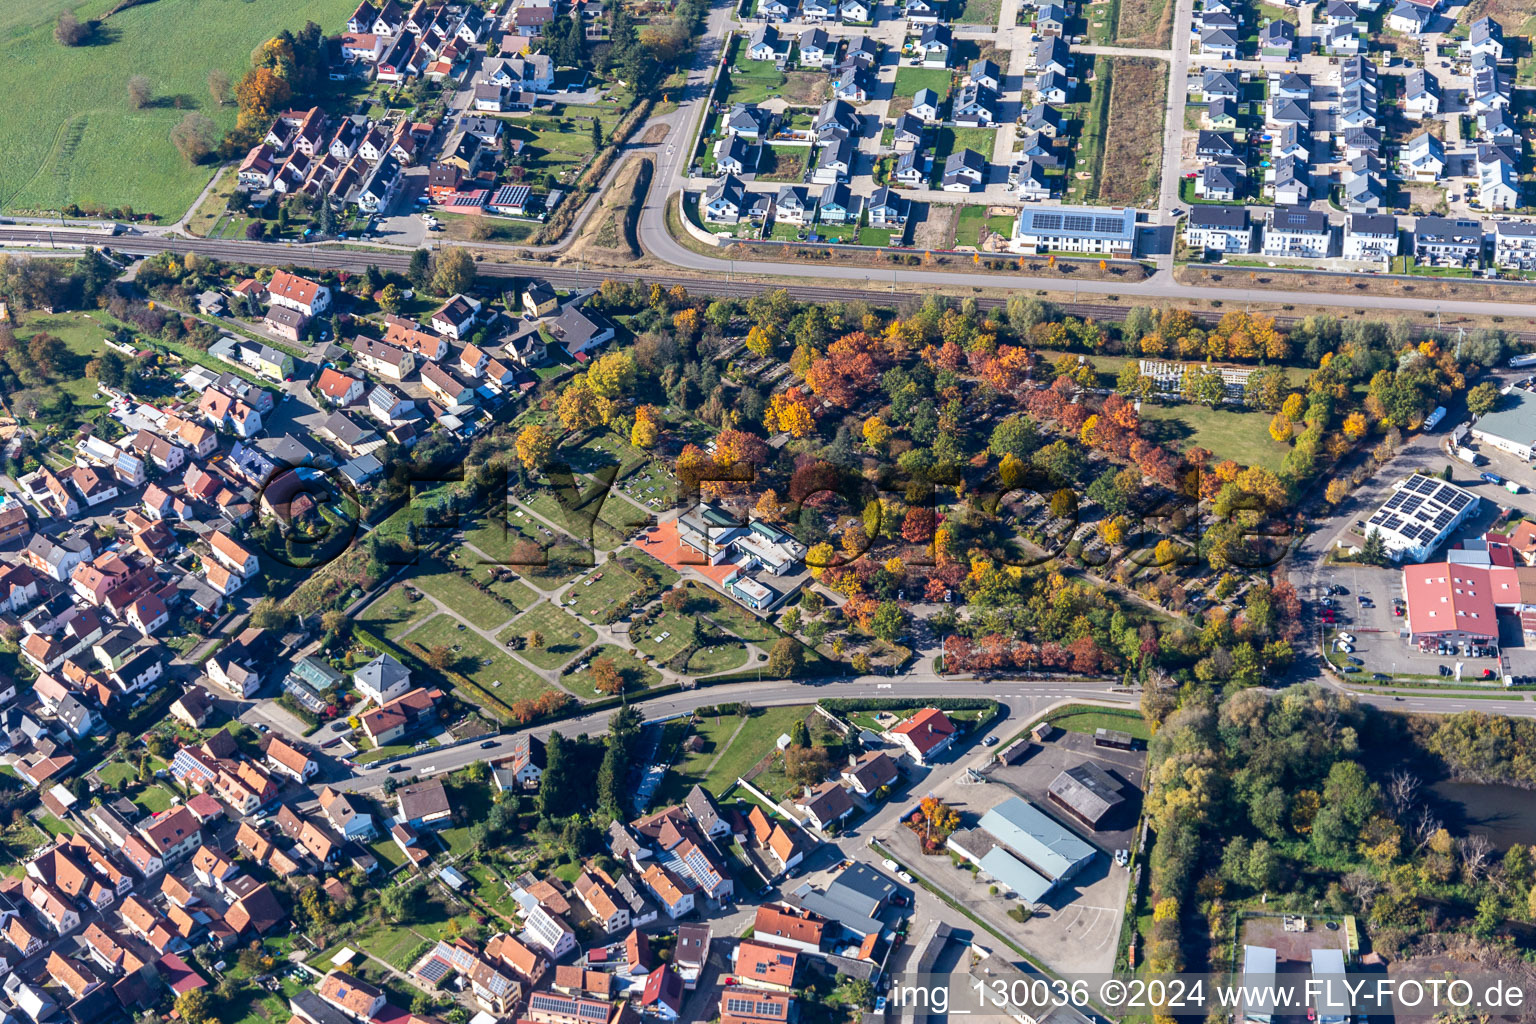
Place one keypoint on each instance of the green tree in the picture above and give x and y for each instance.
(800, 734)
(554, 798)
(889, 621)
(786, 659)
(1483, 399)
(453, 271)
(1018, 435)
(193, 1007)
(1374, 550)
(597, 135)
(420, 272)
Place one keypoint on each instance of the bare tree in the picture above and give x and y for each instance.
(218, 87)
(194, 137)
(69, 31)
(1424, 826)
(140, 91)
(1403, 789)
(1363, 886)
(1475, 851)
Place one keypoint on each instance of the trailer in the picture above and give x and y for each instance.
(1466, 455)
(1433, 419)
(1526, 360)
(1512, 487)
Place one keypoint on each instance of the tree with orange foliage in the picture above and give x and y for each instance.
(606, 677)
(1355, 426)
(933, 822)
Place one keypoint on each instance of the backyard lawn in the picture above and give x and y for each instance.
(71, 133)
(1240, 436)
(973, 219)
(732, 746)
(953, 140)
(564, 636)
(558, 146)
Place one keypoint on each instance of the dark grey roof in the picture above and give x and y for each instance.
(1299, 218)
(1383, 224)
(1208, 216)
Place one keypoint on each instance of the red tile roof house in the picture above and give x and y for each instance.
(925, 735)
(352, 996)
(298, 293)
(338, 388)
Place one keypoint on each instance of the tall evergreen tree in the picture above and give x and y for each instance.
(553, 800)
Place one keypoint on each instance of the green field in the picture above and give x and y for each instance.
(754, 742)
(712, 658)
(565, 636)
(645, 637)
(459, 594)
(1242, 437)
(637, 674)
(953, 140)
(974, 218)
(558, 146)
(910, 81)
(1088, 721)
(611, 586)
(71, 134)
(476, 659)
(394, 613)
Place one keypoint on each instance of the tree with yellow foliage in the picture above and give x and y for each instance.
(788, 412)
(686, 322)
(1337, 491)
(1011, 471)
(1293, 407)
(820, 558)
(768, 507)
(1089, 433)
(877, 434)
(533, 446)
(646, 431)
(577, 406)
(1355, 426)
(894, 565)
(612, 374)
(1280, 427)
(1112, 530)
(762, 339)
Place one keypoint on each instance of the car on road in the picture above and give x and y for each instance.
(1492, 478)
(396, 768)
(339, 727)
(488, 745)
(989, 741)
(262, 727)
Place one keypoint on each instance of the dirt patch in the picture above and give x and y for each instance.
(782, 165)
(1133, 150)
(1355, 284)
(1514, 15)
(609, 234)
(937, 230)
(1146, 23)
(1424, 199)
(655, 134)
(805, 88)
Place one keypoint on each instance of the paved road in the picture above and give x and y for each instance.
(1173, 121)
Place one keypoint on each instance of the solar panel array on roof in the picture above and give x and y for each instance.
(434, 970)
(1048, 221)
(1419, 514)
(1106, 225)
(1078, 222)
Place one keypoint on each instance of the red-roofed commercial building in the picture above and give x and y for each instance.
(925, 735)
(1452, 602)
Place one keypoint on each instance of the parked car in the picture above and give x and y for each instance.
(1380, 677)
(1492, 478)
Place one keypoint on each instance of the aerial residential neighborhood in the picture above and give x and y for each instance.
(764, 513)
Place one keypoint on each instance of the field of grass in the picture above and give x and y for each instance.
(910, 81)
(974, 219)
(980, 12)
(605, 450)
(1240, 436)
(445, 584)
(71, 134)
(953, 140)
(611, 585)
(564, 636)
(1088, 721)
(637, 674)
(731, 617)
(754, 742)
(645, 637)
(476, 659)
(515, 592)
(1133, 153)
(394, 613)
(558, 146)
(1093, 118)
(83, 334)
(724, 657)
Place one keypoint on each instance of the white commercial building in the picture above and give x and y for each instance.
(1511, 426)
(1420, 515)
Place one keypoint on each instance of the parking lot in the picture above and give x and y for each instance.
(1032, 777)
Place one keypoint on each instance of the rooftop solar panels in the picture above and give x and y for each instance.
(1419, 515)
(1048, 221)
(1106, 225)
(1078, 222)
(434, 970)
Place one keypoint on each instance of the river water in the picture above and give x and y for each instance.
(1505, 814)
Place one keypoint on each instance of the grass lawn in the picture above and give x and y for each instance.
(71, 133)
(477, 659)
(875, 236)
(980, 12)
(1088, 721)
(953, 140)
(911, 81)
(610, 585)
(637, 674)
(515, 592)
(461, 227)
(645, 637)
(558, 146)
(1240, 436)
(394, 613)
(973, 219)
(118, 772)
(564, 636)
(754, 742)
(726, 657)
(153, 799)
(606, 450)
(574, 520)
(783, 163)
(459, 594)
(84, 335)
(1093, 117)
(731, 617)
(752, 81)
(53, 826)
